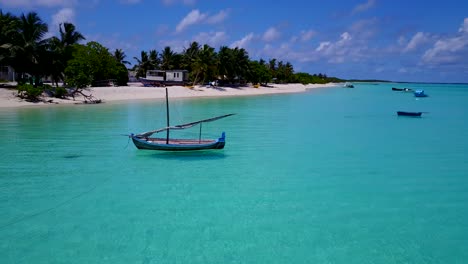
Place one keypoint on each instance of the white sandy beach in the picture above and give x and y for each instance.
(135, 91)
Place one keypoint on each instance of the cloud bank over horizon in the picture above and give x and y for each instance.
(369, 41)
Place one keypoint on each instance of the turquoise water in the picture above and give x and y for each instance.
(327, 176)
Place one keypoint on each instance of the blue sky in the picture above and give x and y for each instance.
(363, 39)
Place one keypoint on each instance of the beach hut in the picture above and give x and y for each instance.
(177, 76)
(7, 73)
(162, 78)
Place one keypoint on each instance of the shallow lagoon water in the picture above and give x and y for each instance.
(327, 176)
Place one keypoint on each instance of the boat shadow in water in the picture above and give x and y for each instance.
(189, 155)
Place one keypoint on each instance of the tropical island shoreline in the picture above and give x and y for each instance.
(136, 91)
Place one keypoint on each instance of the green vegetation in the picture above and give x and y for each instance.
(91, 64)
(24, 47)
(306, 78)
(228, 65)
(30, 92)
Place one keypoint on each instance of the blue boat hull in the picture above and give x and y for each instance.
(413, 114)
(420, 93)
(178, 144)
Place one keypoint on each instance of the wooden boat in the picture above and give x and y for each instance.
(413, 114)
(402, 89)
(145, 141)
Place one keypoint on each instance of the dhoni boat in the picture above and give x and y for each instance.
(146, 141)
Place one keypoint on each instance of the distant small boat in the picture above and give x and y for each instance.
(401, 89)
(348, 85)
(420, 93)
(414, 114)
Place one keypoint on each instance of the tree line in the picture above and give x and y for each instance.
(62, 58)
(228, 65)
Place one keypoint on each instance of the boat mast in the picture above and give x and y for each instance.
(167, 117)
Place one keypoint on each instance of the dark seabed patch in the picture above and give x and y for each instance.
(72, 156)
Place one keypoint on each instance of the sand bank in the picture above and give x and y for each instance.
(135, 91)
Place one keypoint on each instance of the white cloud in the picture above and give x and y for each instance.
(242, 43)
(450, 50)
(219, 17)
(271, 34)
(338, 51)
(323, 46)
(307, 35)
(345, 36)
(287, 53)
(278, 52)
(33, 3)
(464, 26)
(213, 39)
(62, 16)
(365, 28)
(363, 7)
(114, 41)
(447, 51)
(416, 41)
(351, 46)
(402, 40)
(345, 49)
(176, 45)
(196, 17)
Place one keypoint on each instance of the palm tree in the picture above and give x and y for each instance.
(56, 60)
(241, 63)
(155, 62)
(177, 61)
(120, 56)
(258, 72)
(225, 62)
(204, 64)
(143, 64)
(69, 35)
(167, 59)
(62, 50)
(29, 49)
(280, 72)
(190, 54)
(272, 66)
(8, 35)
(289, 72)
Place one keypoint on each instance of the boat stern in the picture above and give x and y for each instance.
(223, 137)
(221, 141)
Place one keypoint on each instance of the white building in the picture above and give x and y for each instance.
(7, 73)
(176, 76)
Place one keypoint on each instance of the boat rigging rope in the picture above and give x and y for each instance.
(50, 209)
